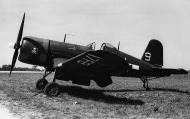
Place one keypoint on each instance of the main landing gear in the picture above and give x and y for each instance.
(41, 83)
(50, 89)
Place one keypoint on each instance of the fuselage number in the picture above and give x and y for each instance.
(147, 56)
(89, 59)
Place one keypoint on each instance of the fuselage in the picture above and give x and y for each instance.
(43, 52)
(49, 53)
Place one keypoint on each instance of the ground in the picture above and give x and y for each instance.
(169, 97)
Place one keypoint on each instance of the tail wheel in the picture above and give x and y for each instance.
(145, 83)
(41, 83)
(52, 89)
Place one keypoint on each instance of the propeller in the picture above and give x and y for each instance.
(17, 44)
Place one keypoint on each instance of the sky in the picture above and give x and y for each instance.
(132, 22)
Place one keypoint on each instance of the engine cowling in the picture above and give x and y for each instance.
(35, 51)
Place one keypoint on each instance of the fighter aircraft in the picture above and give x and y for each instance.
(81, 64)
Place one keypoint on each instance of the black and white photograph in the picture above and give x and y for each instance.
(94, 59)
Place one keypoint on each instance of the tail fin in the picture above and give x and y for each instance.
(154, 53)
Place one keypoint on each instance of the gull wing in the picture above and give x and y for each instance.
(93, 62)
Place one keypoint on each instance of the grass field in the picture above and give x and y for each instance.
(169, 97)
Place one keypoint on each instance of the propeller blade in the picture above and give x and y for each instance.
(19, 37)
(17, 44)
(15, 55)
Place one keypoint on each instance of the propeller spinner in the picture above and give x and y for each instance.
(17, 44)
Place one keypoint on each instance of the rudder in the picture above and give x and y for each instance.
(154, 53)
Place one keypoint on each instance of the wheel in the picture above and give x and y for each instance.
(52, 89)
(41, 83)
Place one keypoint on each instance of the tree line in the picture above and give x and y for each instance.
(7, 67)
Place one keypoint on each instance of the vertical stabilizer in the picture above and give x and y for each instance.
(154, 53)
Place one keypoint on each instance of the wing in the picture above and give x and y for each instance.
(93, 62)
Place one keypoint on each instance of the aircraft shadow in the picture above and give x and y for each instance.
(98, 95)
(151, 89)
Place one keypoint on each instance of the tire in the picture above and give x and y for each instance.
(41, 83)
(52, 89)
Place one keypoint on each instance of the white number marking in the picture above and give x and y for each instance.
(147, 56)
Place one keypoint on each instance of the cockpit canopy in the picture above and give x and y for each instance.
(108, 47)
(105, 45)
